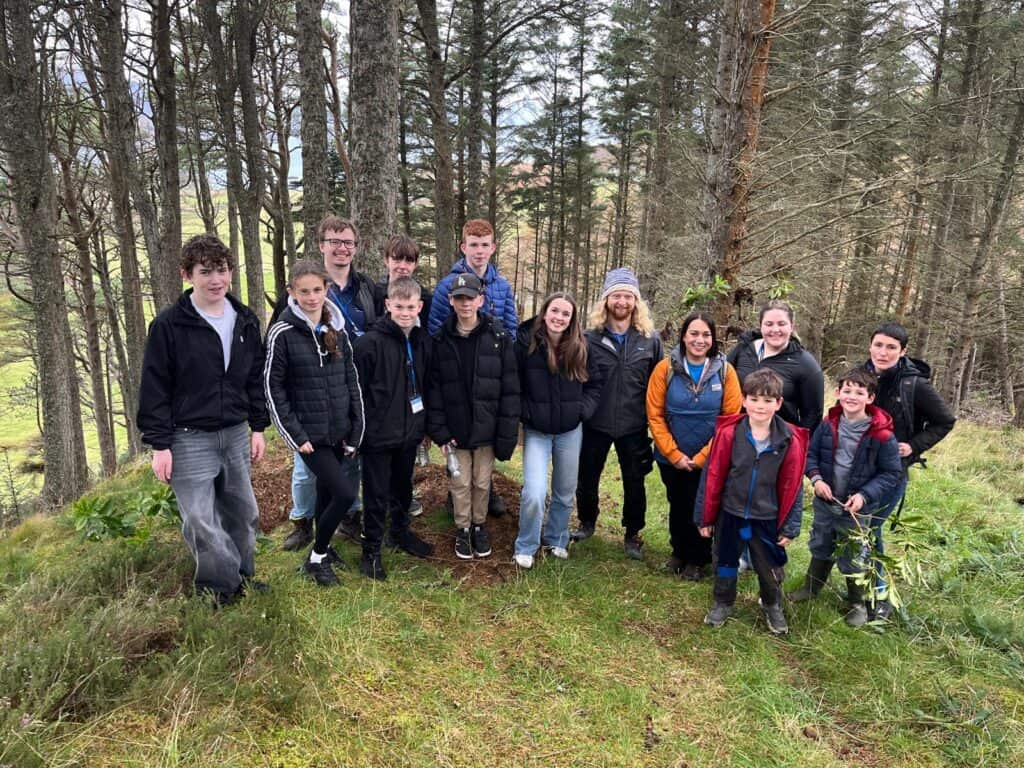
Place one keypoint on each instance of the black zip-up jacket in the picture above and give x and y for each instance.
(380, 293)
(919, 414)
(184, 383)
(551, 403)
(624, 372)
(487, 415)
(803, 390)
(382, 360)
(313, 396)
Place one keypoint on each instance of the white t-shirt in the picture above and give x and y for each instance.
(223, 325)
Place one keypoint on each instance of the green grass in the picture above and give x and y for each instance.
(595, 661)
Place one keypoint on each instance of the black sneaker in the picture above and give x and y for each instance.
(415, 508)
(410, 543)
(463, 544)
(371, 567)
(585, 531)
(634, 546)
(495, 506)
(481, 541)
(718, 615)
(300, 537)
(321, 573)
(775, 617)
(335, 559)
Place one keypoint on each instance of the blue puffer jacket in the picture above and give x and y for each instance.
(876, 466)
(692, 409)
(499, 301)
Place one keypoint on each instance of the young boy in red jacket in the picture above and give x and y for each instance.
(751, 495)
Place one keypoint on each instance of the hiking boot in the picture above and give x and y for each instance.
(301, 535)
(371, 567)
(495, 505)
(410, 543)
(817, 575)
(775, 617)
(692, 572)
(523, 561)
(415, 508)
(481, 541)
(718, 614)
(634, 546)
(675, 565)
(349, 528)
(463, 544)
(585, 531)
(857, 615)
(321, 572)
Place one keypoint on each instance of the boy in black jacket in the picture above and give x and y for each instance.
(392, 358)
(201, 392)
(472, 407)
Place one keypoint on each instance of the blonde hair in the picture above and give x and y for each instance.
(641, 320)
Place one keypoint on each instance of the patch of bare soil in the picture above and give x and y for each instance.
(271, 480)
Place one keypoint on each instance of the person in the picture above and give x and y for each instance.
(686, 394)
(775, 346)
(352, 292)
(401, 255)
(751, 494)
(472, 408)
(200, 395)
(625, 348)
(316, 403)
(559, 391)
(392, 359)
(920, 419)
(853, 465)
(477, 248)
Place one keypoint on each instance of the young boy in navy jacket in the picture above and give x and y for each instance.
(393, 359)
(854, 465)
(750, 496)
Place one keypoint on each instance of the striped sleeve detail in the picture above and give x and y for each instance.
(275, 331)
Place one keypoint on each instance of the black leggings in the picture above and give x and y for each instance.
(335, 491)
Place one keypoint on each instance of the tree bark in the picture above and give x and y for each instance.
(374, 125)
(165, 123)
(475, 119)
(315, 188)
(23, 137)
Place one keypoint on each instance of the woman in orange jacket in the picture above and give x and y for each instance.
(686, 393)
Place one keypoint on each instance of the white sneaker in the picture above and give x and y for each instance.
(560, 552)
(523, 561)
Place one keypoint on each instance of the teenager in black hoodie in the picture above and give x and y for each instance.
(316, 403)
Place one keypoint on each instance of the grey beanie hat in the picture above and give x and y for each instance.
(621, 279)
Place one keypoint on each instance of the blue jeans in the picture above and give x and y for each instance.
(211, 480)
(563, 453)
(304, 489)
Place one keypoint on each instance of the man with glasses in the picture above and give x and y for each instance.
(353, 293)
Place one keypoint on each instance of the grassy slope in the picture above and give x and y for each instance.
(595, 661)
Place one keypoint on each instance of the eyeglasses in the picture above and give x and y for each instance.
(336, 243)
(404, 257)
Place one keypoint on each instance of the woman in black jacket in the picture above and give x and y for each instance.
(560, 388)
(315, 402)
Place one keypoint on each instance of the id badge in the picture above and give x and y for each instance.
(416, 404)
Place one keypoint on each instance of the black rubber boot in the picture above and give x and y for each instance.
(857, 616)
(817, 575)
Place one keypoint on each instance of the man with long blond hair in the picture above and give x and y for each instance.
(622, 341)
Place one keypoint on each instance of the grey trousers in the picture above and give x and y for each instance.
(210, 476)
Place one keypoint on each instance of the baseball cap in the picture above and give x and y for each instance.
(466, 285)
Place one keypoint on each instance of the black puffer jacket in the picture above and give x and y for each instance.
(184, 383)
(487, 415)
(919, 414)
(312, 396)
(552, 404)
(803, 391)
(382, 360)
(624, 372)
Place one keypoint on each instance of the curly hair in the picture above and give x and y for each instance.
(205, 249)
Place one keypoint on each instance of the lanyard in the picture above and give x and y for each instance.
(412, 369)
(350, 324)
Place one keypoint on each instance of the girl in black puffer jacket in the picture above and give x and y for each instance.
(315, 402)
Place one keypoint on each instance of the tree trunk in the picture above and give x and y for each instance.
(315, 189)
(165, 123)
(23, 137)
(735, 126)
(374, 125)
(475, 119)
